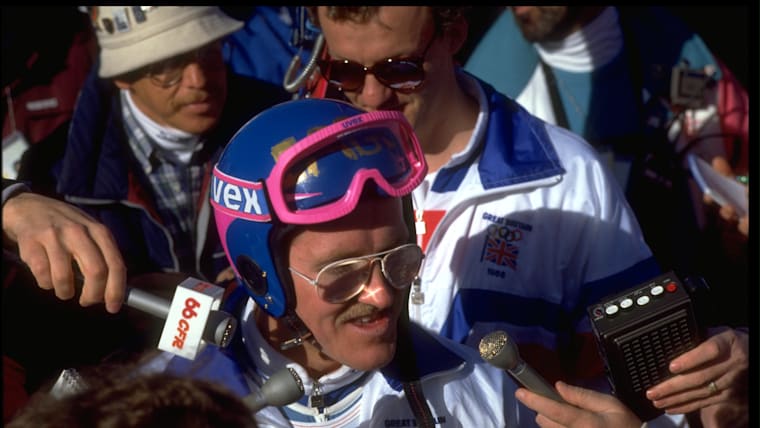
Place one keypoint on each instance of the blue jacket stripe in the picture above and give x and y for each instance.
(642, 271)
(472, 306)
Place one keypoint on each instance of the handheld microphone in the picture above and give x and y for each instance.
(500, 351)
(192, 317)
(283, 388)
(220, 326)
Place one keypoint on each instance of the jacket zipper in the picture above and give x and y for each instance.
(317, 402)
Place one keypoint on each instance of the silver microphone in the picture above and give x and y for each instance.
(500, 351)
(283, 388)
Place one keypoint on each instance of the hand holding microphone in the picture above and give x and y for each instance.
(192, 317)
(500, 351)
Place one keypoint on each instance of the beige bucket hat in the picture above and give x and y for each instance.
(131, 37)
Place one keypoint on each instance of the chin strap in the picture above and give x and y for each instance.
(409, 373)
(302, 333)
(416, 399)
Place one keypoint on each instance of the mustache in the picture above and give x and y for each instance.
(359, 310)
(196, 97)
(204, 94)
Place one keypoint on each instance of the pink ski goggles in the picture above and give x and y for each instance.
(320, 177)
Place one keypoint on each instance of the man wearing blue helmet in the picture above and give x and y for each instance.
(307, 209)
(311, 199)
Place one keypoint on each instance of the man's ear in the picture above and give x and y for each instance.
(121, 84)
(456, 34)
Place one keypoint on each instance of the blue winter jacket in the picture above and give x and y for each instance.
(99, 173)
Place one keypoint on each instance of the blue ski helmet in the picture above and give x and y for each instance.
(303, 162)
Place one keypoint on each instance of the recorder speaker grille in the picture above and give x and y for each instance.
(646, 353)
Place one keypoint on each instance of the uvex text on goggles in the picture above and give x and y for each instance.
(376, 145)
(341, 280)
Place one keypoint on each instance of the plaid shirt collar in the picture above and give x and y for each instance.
(148, 154)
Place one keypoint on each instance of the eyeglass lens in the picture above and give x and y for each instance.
(345, 279)
(169, 71)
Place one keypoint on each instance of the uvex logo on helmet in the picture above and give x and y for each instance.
(239, 198)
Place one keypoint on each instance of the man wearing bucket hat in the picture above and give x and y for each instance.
(148, 127)
(149, 123)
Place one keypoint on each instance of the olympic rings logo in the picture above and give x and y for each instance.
(505, 233)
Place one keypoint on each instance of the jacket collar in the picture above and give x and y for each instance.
(512, 145)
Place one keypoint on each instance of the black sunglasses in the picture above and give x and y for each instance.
(403, 74)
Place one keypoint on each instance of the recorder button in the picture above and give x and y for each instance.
(626, 303)
(656, 290)
(611, 310)
(643, 300)
(671, 287)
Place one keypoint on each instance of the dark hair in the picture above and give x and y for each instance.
(149, 400)
(443, 17)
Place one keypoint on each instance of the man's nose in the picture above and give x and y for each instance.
(378, 291)
(193, 75)
(373, 94)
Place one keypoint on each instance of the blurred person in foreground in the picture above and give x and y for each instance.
(120, 400)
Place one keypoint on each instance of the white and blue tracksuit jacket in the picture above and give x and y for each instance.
(525, 229)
